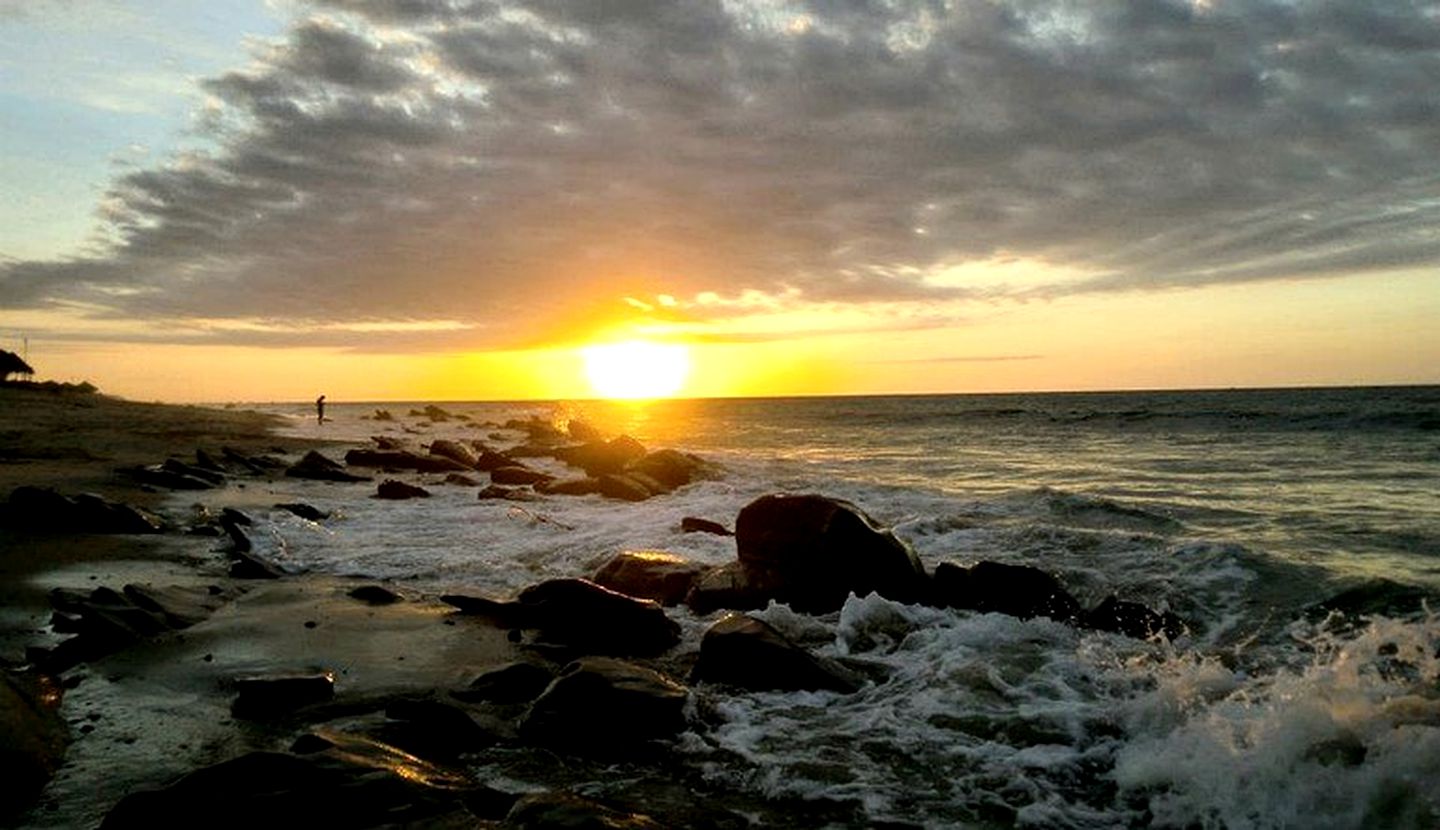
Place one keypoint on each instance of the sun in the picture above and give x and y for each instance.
(636, 369)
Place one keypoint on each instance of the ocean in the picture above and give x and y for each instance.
(1237, 510)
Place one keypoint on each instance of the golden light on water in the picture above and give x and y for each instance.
(636, 369)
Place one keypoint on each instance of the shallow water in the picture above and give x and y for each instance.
(1235, 509)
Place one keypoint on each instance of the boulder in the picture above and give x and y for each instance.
(603, 705)
(46, 511)
(724, 587)
(303, 510)
(404, 460)
(814, 551)
(245, 565)
(32, 738)
(399, 491)
(495, 491)
(319, 468)
(489, 460)
(1377, 597)
(597, 458)
(512, 683)
(256, 463)
(1133, 620)
(517, 474)
(672, 468)
(692, 524)
(536, 428)
(455, 451)
(563, 811)
(580, 614)
(623, 487)
(432, 729)
(261, 698)
(583, 431)
(105, 621)
(1018, 590)
(569, 487)
(214, 478)
(742, 651)
(158, 476)
(650, 574)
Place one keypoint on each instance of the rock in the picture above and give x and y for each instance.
(46, 511)
(723, 587)
(580, 614)
(569, 487)
(455, 451)
(244, 565)
(317, 467)
(1132, 619)
(399, 491)
(742, 651)
(461, 480)
(691, 524)
(105, 621)
(255, 463)
(517, 475)
(1377, 597)
(490, 460)
(600, 457)
(403, 460)
(239, 517)
(158, 476)
(583, 431)
(261, 698)
(650, 574)
(32, 738)
(563, 811)
(212, 477)
(206, 461)
(512, 683)
(347, 782)
(603, 705)
(672, 468)
(1018, 590)
(181, 606)
(374, 595)
(304, 511)
(430, 728)
(383, 415)
(536, 428)
(813, 551)
(624, 487)
(495, 491)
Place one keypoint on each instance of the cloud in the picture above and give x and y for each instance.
(524, 168)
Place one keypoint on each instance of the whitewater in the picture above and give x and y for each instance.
(1237, 510)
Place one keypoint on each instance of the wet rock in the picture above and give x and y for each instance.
(536, 429)
(261, 698)
(206, 461)
(600, 457)
(352, 783)
(430, 728)
(489, 460)
(239, 517)
(650, 574)
(257, 463)
(41, 509)
(569, 487)
(214, 478)
(455, 451)
(403, 460)
(105, 621)
(624, 487)
(32, 737)
(180, 606)
(1132, 619)
(245, 565)
(742, 651)
(512, 683)
(580, 614)
(1377, 597)
(1018, 590)
(383, 415)
(692, 524)
(399, 491)
(461, 480)
(517, 475)
(495, 491)
(814, 551)
(562, 811)
(374, 595)
(304, 511)
(157, 476)
(724, 587)
(672, 468)
(319, 468)
(582, 430)
(600, 704)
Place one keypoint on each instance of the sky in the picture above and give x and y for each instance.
(452, 199)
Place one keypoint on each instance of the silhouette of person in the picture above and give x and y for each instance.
(320, 410)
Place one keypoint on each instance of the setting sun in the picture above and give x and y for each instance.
(636, 369)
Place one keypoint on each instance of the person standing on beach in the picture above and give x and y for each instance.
(320, 410)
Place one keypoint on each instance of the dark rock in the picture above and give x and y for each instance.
(503, 612)
(536, 428)
(403, 460)
(1377, 597)
(430, 728)
(212, 477)
(257, 463)
(386, 442)
(374, 595)
(569, 487)
(511, 683)
(461, 480)
(239, 539)
(624, 487)
(304, 511)
(517, 475)
(260, 698)
(813, 551)
(1343, 750)
(1132, 619)
(562, 811)
(490, 460)
(603, 705)
(399, 491)
(724, 587)
(105, 621)
(455, 451)
(244, 565)
(495, 491)
(692, 524)
(1018, 590)
(206, 461)
(582, 615)
(354, 782)
(317, 467)
(32, 738)
(44, 510)
(746, 652)
(583, 431)
(650, 574)
(180, 606)
(383, 415)
(600, 457)
(157, 476)
(239, 517)
(673, 468)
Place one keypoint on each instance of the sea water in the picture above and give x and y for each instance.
(1235, 509)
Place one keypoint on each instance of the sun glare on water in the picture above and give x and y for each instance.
(636, 369)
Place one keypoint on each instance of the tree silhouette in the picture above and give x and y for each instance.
(11, 364)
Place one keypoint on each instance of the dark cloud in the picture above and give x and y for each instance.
(516, 167)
